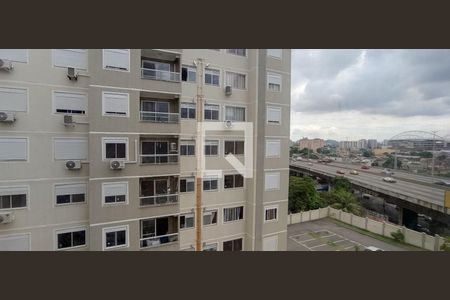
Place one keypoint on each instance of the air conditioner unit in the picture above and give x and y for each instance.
(6, 217)
(228, 124)
(73, 165)
(6, 116)
(228, 90)
(117, 164)
(173, 147)
(6, 65)
(72, 73)
(68, 120)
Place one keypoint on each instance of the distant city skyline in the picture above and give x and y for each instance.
(369, 94)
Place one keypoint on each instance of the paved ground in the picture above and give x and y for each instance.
(329, 235)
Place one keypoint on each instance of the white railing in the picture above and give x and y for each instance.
(158, 200)
(154, 74)
(159, 117)
(158, 240)
(159, 158)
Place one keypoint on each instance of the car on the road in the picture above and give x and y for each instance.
(389, 179)
(340, 172)
(372, 248)
(443, 182)
(354, 172)
(387, 172)
(364, 167)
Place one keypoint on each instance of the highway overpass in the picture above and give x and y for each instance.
(413, 192)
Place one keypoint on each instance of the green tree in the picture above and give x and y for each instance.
(342, 183)
(303, 195)
(389, 163)
(344, 200)
(367, 153)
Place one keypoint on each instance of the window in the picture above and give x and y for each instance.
(235, 80)
(233, 214)
(241, 52)
(233, 181)
(187, 221)
(210, 217)
(159, 152)
(188, 110)
(115, 192)
(159, 231)
(270, 243)
(115, 104)
(272, 181)
(13, 99)
(212, 77)
(234, 113)
(273, 115)
(187, 184)
(13, 197)
(13, 149)
(16, 242)
(234, 147)
(115, 237)
(71, 238)
(155, 70)
(211, 112)
(115, 148)
(69, 103)
(70, 193)
(273, 148)
(157, 111)
(187, 147)
(273, 82)
(270, 213)
(70, 148)
(234, 245)
(189, 74)
(210, 247)
(211, 147)
(116, 59)
(275, 53)
(75, 58)
(17, 55)
(210, 184)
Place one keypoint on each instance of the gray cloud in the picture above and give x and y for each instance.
(400, 83)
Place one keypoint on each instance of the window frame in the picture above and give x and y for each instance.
(187, 143)
(193, 107)
(54, 112)
(188, 67)
(235, 106)
(67, 230)
(232, 240)
(115, 203)
(84, 51)
(268, 141)
(272, 74)
(278, 108)
(225, 83)
(205, 109)
(188, 179)
(234, 182)
(210, 179)
(27, 57)
(269, 173)
(27, 159)
(270, 207)
(210, 210)
(234, 147)
(106, 230)
(27, 93)
(55, 195)
(218, 148)
(184, 215)
(227, 51)
(115, 115)
(25, 188)
(104, 142)
(104, 67)
(213, 69)
(233, 207)
(275, 57)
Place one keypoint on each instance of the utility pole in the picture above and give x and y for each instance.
(432, 157)
(200, 152)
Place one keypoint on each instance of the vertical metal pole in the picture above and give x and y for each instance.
(432, 159)
(200, 153)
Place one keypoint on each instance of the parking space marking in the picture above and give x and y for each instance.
(329, 242)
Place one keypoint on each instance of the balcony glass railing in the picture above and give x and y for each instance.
(153, 74)
(159, 117)
(158, 200)
(159, 158)
(158, 240)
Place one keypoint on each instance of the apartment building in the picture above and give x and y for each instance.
(99, 149)
(312, 144)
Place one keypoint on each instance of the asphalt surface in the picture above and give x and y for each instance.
(329, 235)
(424, 192)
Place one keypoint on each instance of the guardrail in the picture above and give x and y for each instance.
(158, 240)
(159, 158)
(153, 74)
(418, 239)
(159, 117)
(158, 200)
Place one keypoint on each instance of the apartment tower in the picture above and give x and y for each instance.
(99, 149)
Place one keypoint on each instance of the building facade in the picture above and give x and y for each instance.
(99, 149)
(312, 144)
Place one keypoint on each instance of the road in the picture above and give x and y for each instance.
(409, 185)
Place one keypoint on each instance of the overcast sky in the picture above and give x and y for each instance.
(355, 94)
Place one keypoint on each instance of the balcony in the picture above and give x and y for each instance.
(159, 117)
(158, 231)
(157, 191)
(159, 151)
(160, 75)
(160, 65)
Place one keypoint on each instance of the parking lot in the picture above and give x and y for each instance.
(329, 235)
